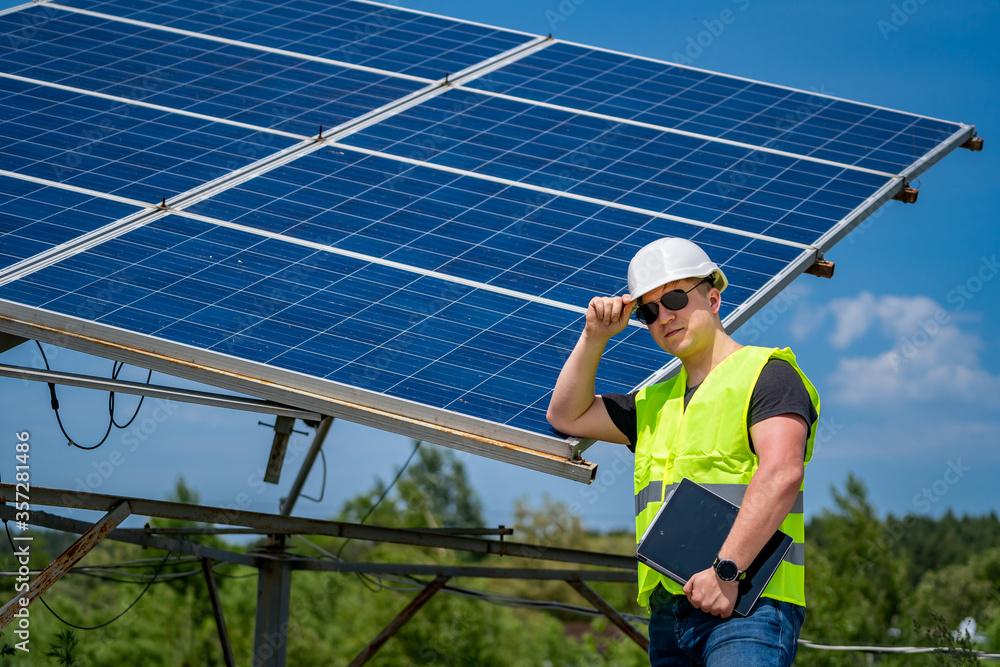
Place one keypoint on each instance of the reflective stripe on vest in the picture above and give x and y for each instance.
(708, 443)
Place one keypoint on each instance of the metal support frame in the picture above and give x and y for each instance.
(150, 390)
(288, 503)
(270, 523)
(274, 582)
(613, 614)
(10, 341)
(274, 589)
(220, 620)
(282, 431)
(61, 565)
(415, 604)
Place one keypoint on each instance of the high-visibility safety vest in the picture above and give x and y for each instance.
(708, 442)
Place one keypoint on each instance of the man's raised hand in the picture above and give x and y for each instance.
(608, 316)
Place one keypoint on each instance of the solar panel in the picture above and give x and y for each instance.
(423, 266)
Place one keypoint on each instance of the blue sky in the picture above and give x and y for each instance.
(902, 343)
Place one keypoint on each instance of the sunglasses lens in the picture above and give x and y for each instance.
(647, 313)
(674, 300)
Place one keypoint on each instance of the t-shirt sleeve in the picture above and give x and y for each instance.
(621, 409)
(779, 391)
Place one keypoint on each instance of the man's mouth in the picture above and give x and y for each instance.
(671, 333)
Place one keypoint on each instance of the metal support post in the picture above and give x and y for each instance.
(61, 565)
(220, 620)
(274, 588)
(613, 615)
(288, 503)
(282, 431)
(400, 620)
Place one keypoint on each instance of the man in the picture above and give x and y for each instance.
(741, 419)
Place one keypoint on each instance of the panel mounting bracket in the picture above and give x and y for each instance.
(282, 431)
(821, 268)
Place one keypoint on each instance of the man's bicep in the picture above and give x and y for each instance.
(780, 440)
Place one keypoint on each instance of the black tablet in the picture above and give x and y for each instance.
(686, 534)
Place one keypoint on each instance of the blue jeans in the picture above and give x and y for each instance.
(679, 634)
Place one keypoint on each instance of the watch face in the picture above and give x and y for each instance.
(727, 570)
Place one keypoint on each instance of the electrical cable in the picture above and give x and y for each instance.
(108, 622)
(416, 446)
(322, 488)
(54, 402)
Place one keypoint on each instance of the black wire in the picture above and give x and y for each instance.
(10, 539)
(115, 370)
(416, 446)
(322, 489)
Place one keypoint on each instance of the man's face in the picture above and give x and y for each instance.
(679, 332)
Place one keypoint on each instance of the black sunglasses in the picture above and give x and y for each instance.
(673, 300)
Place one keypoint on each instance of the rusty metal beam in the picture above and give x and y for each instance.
(220, 620)
(415, 604)
(57, 568)
(134, 536)
(457, 571)
(282, 432)
(271, 631)
(613, 614)
(270, 523)
(150, 390)
(288, 503)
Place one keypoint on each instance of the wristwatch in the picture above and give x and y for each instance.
(727, 570)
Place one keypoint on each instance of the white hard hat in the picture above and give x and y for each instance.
(667, 260)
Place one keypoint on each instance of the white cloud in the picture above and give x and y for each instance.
(928, 355)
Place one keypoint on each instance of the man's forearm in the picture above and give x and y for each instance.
(769, 498)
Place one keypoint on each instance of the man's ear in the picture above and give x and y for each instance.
(715, 300)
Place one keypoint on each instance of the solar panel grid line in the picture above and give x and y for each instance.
(754, 81)
(76, 188)
(233, 42)
(561, 193)
(389, 263)
(80, 244)
(496, 62)
(684, 133)
(889, 190)
(155, 107)
(524, 138)
(275, 160)
(15, 8)
(400, 415)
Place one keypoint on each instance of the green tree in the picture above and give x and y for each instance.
(855, 586)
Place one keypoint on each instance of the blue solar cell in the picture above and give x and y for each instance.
(709, 182)
(116, 148)
(449, 345)
(527, 247)
(35, 218)
(193, 74)
(381, 36)
(672, 96)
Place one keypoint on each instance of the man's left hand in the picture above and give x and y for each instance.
(710, 594)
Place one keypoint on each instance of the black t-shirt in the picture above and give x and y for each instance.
(779, 391)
